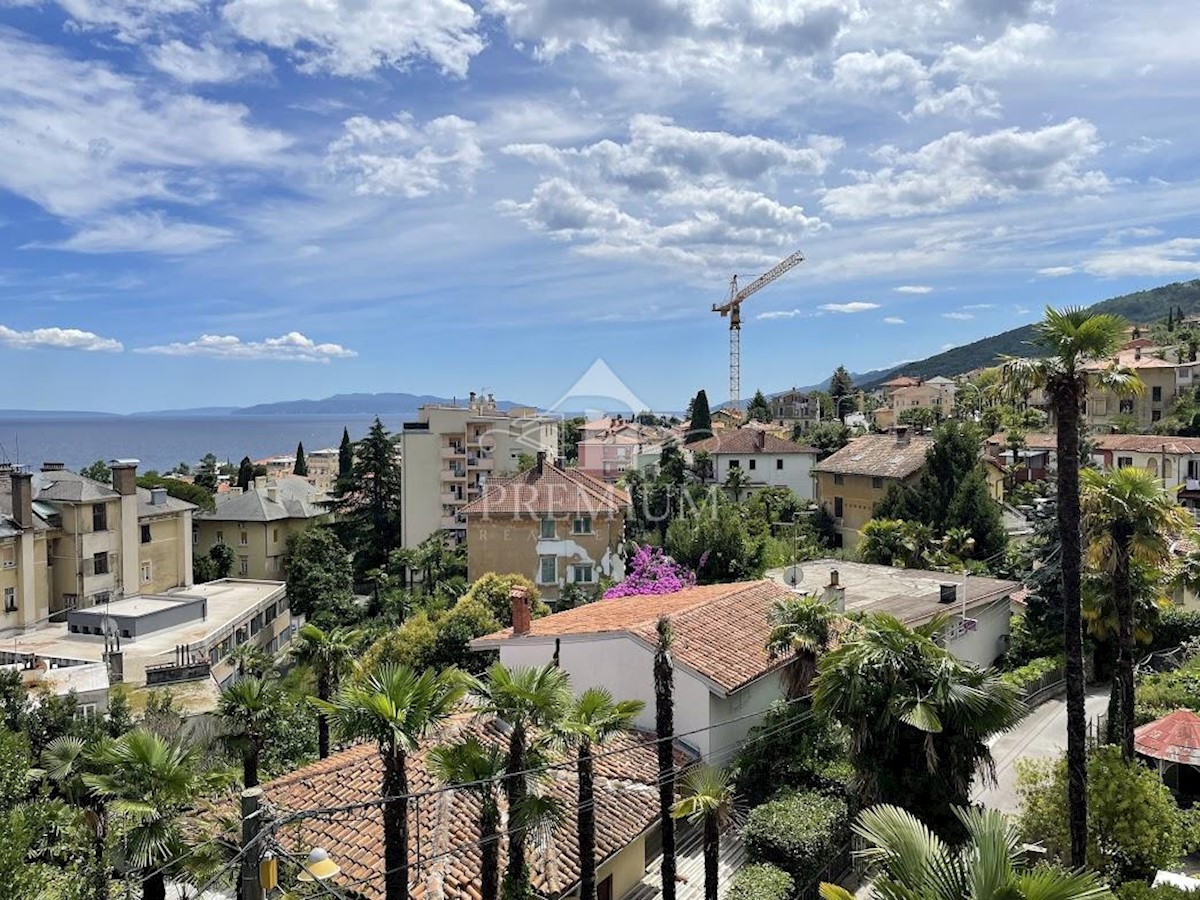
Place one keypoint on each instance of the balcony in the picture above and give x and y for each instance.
(482, 463)
(452, 523)
(450, 498)
(452, 452)
(454, 474)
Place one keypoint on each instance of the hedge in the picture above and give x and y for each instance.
(761, 881)
(1174, 627)
(800, 832)
(1139, 890)
(1033, 670)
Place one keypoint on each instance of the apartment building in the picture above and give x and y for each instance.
(936, 393)
(766, 460)
(795, 407)
(853, 480)
(322, 468)
(257, 522)
(608, 448)
(451, 452)
(555, 525)
(67, 542)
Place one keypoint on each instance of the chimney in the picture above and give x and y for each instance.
(471, 401)
(948, 593)
(124, 476)
(22, 498)
(521, 616)
(540, 467)
(273, 493)
(902, 437)
(834, 578)
(1137, 353)
(158, 496)
(53, 466)
(260, 482)
(760, 439)
(834, 595)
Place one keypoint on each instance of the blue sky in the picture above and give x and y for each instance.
(211, 203)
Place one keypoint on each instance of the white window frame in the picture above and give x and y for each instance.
(578, 569)
(542, 560)
(243, 566)
(584, 519)
(243, 539)
(10, 599)
(147, 571)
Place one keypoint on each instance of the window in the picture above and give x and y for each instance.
(99, 517)
(243, 565)
(8, 557)
(735, 464)
(85, 711)
(145, 534)
(837, 507)
(147, 572)
(275, 535)
(581, 525)
(582, 574)
(547, 532)
(1156, 394)
(877, 483)
(753, 464)
(778, 464)
(10, 599)
(548, 570)
(1124, 462)
(100, 564)
(1126, 407)
(1155, 415)
(839, 479)
(220, 537)
(243, 539)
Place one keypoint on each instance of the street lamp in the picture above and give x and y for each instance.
(318, 866)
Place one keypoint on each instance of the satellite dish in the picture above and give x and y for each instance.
(793, 576)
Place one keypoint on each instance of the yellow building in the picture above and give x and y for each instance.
(1164, 378)
(556, 526)
(936, 394)
(256, 523)
(853, 480)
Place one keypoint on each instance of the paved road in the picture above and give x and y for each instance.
(1043, 733)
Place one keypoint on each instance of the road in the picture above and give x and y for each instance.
(1043, 733)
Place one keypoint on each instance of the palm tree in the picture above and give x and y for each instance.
(914, 862)
(1070, 338)
(1128, 519)
(396, 708)
(64, 761)
(479, 768)
(252, 661)
(802, 627)
(524, 698)
(147, 783)
(736, 481)
(246, 709)
(706, 796)
(664, 729)
(593, 718)
(329, 655)
(918, 718)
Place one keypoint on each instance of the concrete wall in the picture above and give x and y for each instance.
(987, 641)
(265, 544)
(795, 474)
(735, 716)
(421, 505)
(169, 553)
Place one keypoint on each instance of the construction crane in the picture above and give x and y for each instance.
(732, 307)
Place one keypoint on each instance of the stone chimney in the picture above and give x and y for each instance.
(760, 439)
(521, 615)
(124, 476)
(260, 482)
(273, 493)
(834, 595)
(158, 496)
(902, 436)
(540, 466)
(22, 498)
(53, 466)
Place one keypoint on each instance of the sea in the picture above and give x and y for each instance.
(162, 443)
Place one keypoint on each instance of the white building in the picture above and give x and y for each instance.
(769, 461)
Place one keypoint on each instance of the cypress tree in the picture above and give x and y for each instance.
(701, 427)
(345, 455)
(245, 475)
(301, 467)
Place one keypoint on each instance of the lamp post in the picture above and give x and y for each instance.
(318, 866)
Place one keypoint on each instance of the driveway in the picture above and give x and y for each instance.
(1043, 733)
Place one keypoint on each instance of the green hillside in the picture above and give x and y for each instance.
(1142, 307)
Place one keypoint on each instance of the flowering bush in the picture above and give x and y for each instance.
(651, 572)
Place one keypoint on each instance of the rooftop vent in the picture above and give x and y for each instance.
(948, 594)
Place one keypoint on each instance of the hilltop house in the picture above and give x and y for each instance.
(553, 524)
(855, 478)
(767, 460)
(795, 407)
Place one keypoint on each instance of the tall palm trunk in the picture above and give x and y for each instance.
(395, 826)
(585, 822)
(664, 726)
(1123, 675)
(99, 865)
(250, 767)
(712, 856)
(1067, 399)
(324, 690)
(155, 887)
(489, 849)
(516, 874)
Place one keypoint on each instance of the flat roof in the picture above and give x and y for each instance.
(135, 607)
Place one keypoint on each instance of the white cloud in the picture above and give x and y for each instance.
(355, 37)
(399, 156)
(131, 21)
(1013, 50)
(948, 346)
(1056, 271)
(783, 314)
(207, 63)
(893, 320)
(871, 72)
(961, 168)
(1178, 256)
(958, 316)
(291, 347)
(148, 232)
(1146, 144)
(854, 306)
(962, 101)
(980, 306)
(57, 339)
(913, 289)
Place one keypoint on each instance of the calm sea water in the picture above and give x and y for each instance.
(161, 443)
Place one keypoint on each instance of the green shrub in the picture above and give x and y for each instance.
(800, 832)
(788, 749)
(762, 881)
(1139, 890)
(1165, 692)
(1174, 627)
(1033, 670)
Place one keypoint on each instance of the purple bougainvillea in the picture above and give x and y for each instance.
(651, 572)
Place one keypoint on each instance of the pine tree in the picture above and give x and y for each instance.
(301, 467)
(345, 457)
(245, 473)
(368, 501)
(841, 385)
(758, 410)
(701, 417)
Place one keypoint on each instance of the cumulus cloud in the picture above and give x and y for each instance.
(870, 72)
(1015, 49)
(401, 156)
(1178, 256)
(57, 339)
(1146, 144)
(356, 37)
(962, 168)
(913, 289)
(131, 21)
(893, 320)
(206, 63)
(854, 306)
(291, 347)
(148, 232)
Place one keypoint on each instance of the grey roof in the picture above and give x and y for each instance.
(169, 505)
(295, 498)
(8, 527)
(65, 486)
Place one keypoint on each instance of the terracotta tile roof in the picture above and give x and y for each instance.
(720, 629)
(1149, 443)
(1032, 441)
(902, 381)
(746, 441)
(553, 491)
(443, 827)
(878, 455)
(1134, 359)
(1174, 738)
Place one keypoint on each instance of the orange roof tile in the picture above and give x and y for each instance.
(720, 629)
(443, 833)
(553, 491)
(1174, 738)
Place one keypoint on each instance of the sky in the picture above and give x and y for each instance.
(224, 202)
